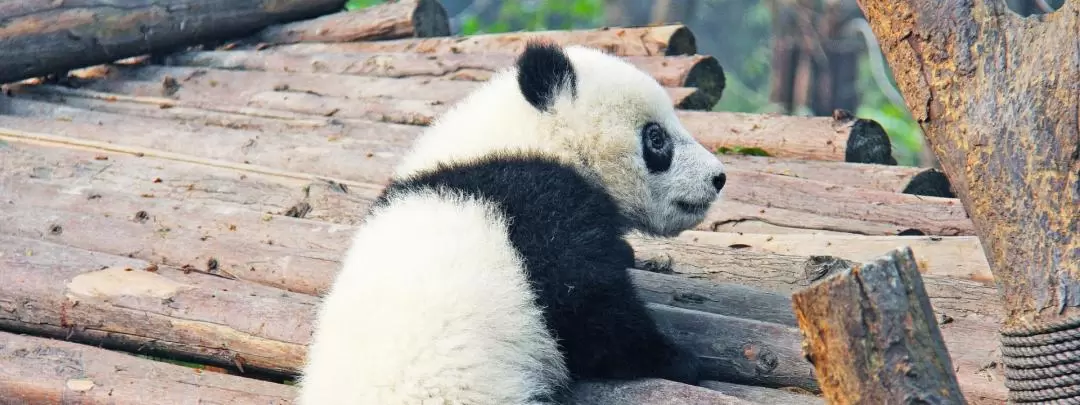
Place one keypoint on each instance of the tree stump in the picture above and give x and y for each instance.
(873, 337)
(997, 96)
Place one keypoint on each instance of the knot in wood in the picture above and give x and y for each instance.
(763, 359)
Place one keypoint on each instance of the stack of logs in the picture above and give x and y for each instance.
(228, 178)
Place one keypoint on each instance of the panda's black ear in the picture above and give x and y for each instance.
(543, 70)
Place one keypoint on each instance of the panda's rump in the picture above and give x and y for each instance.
(432, 302)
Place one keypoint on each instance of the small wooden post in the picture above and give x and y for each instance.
(872, 336)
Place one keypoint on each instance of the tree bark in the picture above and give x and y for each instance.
(873, 337)
(391, 20)
(663, 40)
(43, 37)
(996, 95)
(36, 370)
(700, 71)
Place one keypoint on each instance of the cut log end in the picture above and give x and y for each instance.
(872, 335)
(681, 42)
(708, 76)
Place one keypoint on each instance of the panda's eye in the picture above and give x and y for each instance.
(656, 147)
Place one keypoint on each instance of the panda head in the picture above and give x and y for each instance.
(592, 110)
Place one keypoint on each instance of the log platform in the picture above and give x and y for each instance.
(168, 222)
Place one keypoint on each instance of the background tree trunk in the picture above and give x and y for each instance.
(997, 96)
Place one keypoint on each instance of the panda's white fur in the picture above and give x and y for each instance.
(437, 298)
(596, 129)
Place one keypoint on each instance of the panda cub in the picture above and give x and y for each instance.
(493, 268)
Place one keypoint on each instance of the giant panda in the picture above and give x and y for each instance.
(492, 270)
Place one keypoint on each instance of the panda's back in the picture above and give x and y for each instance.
(461, 277)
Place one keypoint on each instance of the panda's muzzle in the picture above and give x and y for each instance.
(692, 208)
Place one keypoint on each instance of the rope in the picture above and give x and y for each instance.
(1042, 363)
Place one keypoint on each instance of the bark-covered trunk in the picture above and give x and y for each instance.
(997, 96)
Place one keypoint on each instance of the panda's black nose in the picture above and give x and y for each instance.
(719, 181)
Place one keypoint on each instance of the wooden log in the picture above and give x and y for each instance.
(931, 215)
(43, 37)
(935, 216)
(868, 176)
(242, 87)
(958, 257)
(650, 391)
(36, 370)
(40, 370)
(763, 395)
(661, 40)
(198, 314)
(807, 138)
(111, 192)
(391, 20)
(700, 71)
(995, 167)
(755, 353)
(873, 337)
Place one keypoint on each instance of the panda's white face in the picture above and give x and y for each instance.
(592, 110)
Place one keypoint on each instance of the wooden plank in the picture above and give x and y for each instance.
(662, 40)
(35, 370)
(391, 20)
(650, 391)
(873, 337)
(699, 71)
(43, 37)
(959, 257)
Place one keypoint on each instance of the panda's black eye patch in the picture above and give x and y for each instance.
(656, 147)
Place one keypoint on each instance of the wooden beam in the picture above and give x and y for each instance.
(763, 395)
(44, 37)
(669, 40)
(390, 20)
(873, 338)
(700, 71)
(35, 370)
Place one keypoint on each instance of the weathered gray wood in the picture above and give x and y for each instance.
(390, 20)
(650, 392)
(873, 337)
(763, 395)
(739, 350)
(42, 37)
(35, 370)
